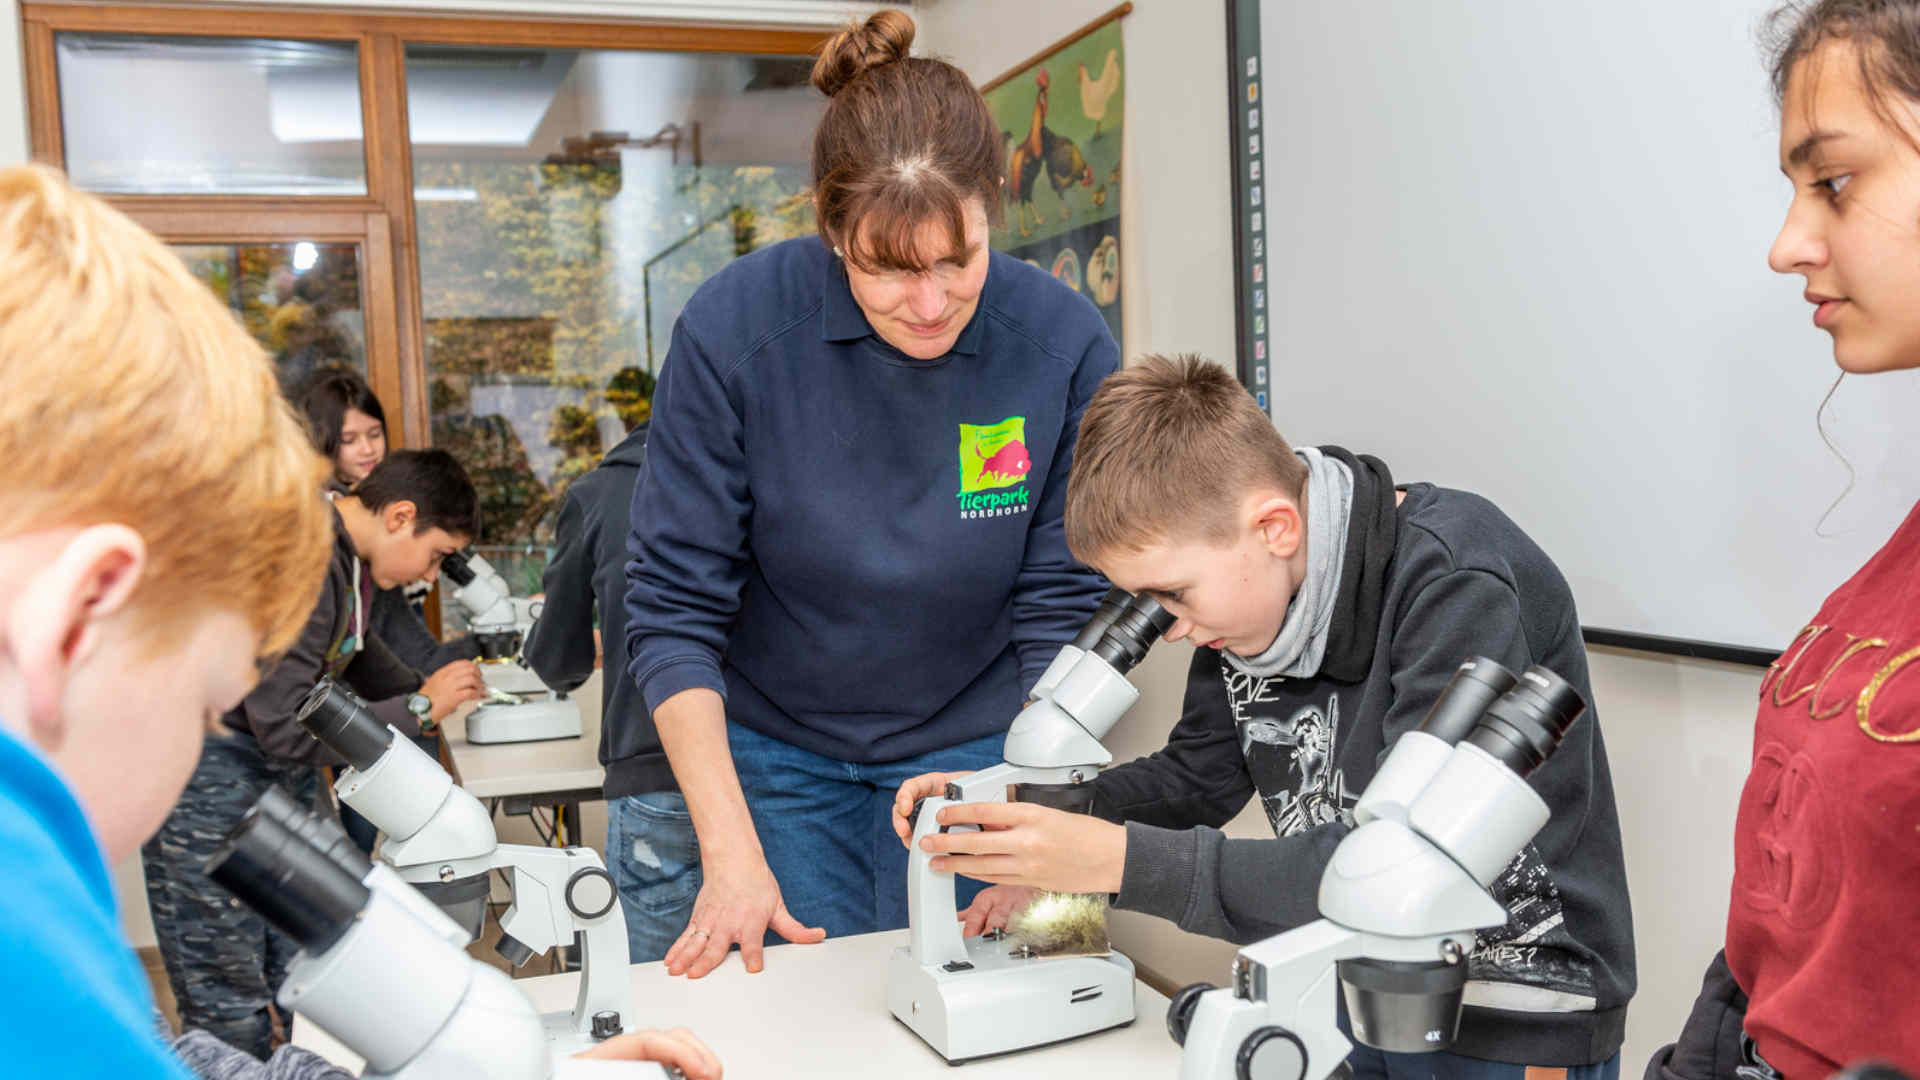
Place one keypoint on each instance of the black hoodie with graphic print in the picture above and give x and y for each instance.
(1442, 577)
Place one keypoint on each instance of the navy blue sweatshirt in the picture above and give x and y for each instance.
(863, 552)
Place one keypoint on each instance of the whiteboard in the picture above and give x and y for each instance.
(1520, 248)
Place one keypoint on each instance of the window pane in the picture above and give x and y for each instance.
(568, 204)
(301, 301)
(230, 116)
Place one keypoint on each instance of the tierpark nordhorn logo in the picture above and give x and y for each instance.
(994, 464)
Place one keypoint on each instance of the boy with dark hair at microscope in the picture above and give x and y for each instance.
(1331, 608)
(223, 961)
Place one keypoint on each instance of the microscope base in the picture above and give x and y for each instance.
(1006, 1003)
(535, 721)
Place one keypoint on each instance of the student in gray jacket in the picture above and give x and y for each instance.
(1330, 608)
(651, 847)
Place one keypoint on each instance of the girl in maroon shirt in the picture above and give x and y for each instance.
(1822, 963)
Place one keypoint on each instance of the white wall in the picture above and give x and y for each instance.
(1678, 732)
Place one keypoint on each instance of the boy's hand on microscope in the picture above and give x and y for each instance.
(1026, 844)
(739, 902)
(453, 686)
(677, 1049)
(913, 791)
(994, 908)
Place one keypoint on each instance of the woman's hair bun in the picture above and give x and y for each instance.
(861, 47)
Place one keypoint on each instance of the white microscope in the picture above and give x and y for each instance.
(440, 839)
(519, 707)
(971, 998)
(1401, 898)
(380, 968)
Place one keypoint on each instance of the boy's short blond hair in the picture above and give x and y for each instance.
(129, 394)
(1168, 448)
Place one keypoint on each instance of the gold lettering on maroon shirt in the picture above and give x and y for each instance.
(1855, 646)
(1865, 708)
(1779, 675)
(1780, 672)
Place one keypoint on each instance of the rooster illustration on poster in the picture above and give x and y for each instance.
(1062, 125)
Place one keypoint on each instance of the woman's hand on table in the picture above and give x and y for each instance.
(739, 902)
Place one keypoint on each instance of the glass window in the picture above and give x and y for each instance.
(568, 204)
(211, 116)
(301, 300)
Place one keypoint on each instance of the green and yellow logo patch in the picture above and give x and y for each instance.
(994, 455)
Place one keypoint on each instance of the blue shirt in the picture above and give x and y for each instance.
(75, 1002)
(862, 551)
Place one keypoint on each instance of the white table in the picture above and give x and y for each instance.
(531, 768)
(821, 1011)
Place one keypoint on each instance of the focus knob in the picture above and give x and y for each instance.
(591, 893)
(1271, 1053)
(1180, 1010)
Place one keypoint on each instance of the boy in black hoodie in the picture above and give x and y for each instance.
(651, 848)
(1330, 608)
(223, 962)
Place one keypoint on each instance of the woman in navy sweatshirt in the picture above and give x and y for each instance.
(848, 562)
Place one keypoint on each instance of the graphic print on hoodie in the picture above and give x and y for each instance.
(1292, 752)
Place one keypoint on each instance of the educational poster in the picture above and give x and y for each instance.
(1060, 122)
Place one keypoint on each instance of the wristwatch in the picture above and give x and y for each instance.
(422, 709)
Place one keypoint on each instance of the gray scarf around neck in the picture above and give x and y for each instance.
(1302, 643)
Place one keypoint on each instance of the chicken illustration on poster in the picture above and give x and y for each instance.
(1061, 125)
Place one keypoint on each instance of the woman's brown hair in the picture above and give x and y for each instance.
(905, 142)
(1885, 33)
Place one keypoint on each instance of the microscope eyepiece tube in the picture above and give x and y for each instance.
(1475, 686)
(293, 884)
(455, 566)
(323, 833)
(1526, 725)
(1110, 607)
(337, 717)
(1133, 631)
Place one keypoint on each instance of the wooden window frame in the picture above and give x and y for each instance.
(382, 220)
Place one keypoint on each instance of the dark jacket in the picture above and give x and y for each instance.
(325, 648)
(587, 575)
(1443, 577)
(398, 625)
(1709, 1044)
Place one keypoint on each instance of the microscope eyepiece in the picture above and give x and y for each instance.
(455, 567)
(272, 863)
(323, 833)
(337, 717)
(1528, 722)
(1110, 607)
(1134, 629)
(1475, 686)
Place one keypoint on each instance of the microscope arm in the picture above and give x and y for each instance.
(560, 895)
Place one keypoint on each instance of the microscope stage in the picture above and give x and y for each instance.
(1004, 1002)
(532, 722)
